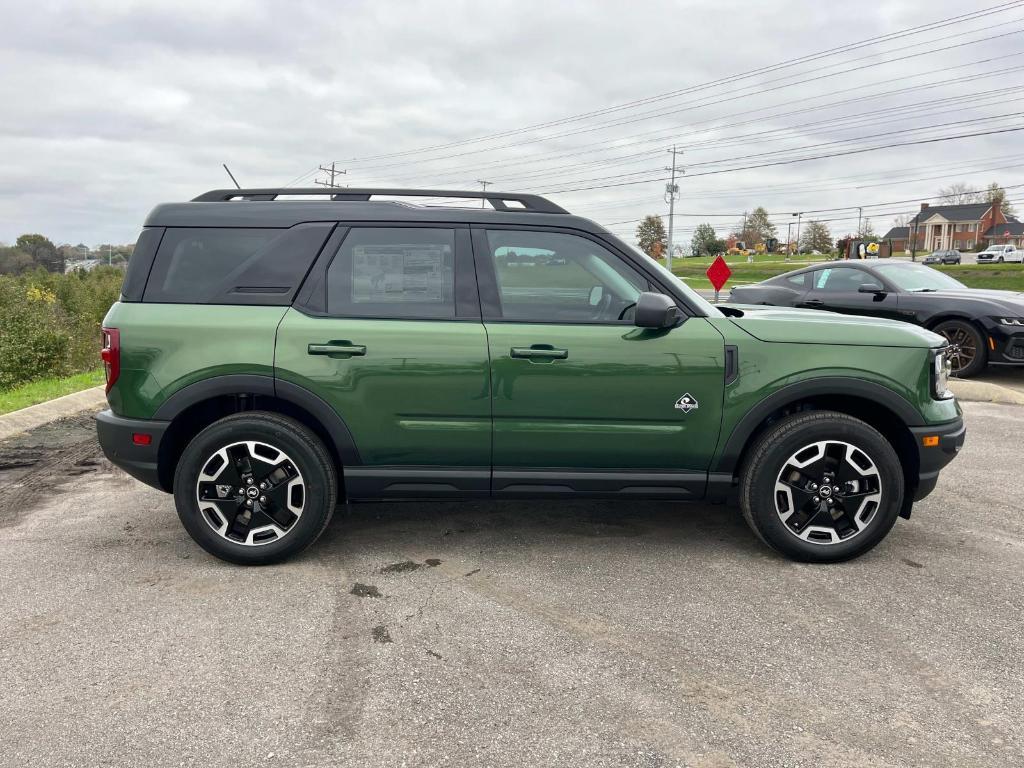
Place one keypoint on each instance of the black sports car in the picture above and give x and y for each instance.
(983, 327)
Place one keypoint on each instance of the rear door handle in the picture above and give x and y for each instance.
(539, 352)
(342, 349)
(814, 303)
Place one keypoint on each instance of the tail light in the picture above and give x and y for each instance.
(111, 355)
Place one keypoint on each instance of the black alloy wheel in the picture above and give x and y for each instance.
(255, 488)
(967, 354)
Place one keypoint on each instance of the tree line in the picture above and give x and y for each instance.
(753, 230)
(756, 228)
(34, 251)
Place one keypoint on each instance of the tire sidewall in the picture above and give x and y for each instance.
(298, 444)
(981, 356)
(762, 490)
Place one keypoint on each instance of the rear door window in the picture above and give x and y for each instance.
(394, 272)
(210, 265)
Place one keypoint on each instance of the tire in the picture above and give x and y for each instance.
(967, 347)
(242, 522)
(1000, 259)
(790, 520)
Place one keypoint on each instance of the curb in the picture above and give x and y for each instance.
(43, 413)
(985, 392)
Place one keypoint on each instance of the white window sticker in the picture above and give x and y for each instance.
(416, 272)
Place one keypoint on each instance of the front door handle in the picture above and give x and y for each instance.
(539, 352)
(814, 303)
(341, 349)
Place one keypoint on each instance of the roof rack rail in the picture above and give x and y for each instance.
(498, 200)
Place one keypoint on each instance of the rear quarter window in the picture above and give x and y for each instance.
(211, 265)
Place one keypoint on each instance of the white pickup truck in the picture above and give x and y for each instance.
(1001, 253)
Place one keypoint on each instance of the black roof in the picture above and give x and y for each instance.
(968, 212)
(897, 233)
(1015, 228)
(270, 208)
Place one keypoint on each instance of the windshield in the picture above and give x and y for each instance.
(916, 277)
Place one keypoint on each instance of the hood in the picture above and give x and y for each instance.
(1006, 302)
(812, 326)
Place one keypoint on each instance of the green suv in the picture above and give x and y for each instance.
(275, 352)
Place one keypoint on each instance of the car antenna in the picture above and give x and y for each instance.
(237, 185)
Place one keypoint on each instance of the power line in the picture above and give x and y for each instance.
(759, 89)
(959, 19)
(926, 109)
(715, 123)
(800, 159)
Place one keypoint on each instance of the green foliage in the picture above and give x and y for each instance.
(649, 234)
(14, 261)
(755, 228)
(816, 237)
(50, 323)
(706, 242)
(43, 252)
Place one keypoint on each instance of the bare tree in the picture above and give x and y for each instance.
(901, 221)
(958, 194)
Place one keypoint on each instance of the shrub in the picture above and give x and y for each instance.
(50, 323)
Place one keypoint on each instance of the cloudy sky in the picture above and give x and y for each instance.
(112, 106)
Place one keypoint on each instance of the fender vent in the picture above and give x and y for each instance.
(732, 363)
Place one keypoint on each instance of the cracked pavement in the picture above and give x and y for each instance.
(593, 633)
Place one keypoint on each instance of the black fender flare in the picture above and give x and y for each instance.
(253, 384)
(729, 456)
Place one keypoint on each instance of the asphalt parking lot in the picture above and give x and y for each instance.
(586, 633)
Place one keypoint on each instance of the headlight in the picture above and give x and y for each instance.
(941, 367)
(1018, 321)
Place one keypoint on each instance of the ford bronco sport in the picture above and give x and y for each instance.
(271, 357)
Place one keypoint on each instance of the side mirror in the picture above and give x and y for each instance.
(655, 310)
(871, 288)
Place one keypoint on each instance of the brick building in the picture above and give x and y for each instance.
(969, 227)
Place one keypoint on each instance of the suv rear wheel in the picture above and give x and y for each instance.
(255, 488)
(821, 487)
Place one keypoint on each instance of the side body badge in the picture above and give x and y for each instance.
(687, 403)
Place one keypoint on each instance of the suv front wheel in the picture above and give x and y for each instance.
(821, 486)
(255, 488)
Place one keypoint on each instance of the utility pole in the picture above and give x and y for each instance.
(860, 211)
(483, 184)
(789, 230)
(331, 172)
(110, 258)
(798, 231)
(743, 234)
(671, 191)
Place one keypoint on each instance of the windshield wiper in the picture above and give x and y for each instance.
(923, 290)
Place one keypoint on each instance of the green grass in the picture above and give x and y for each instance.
(46, 389)
(759, 258)
(1007, 277)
